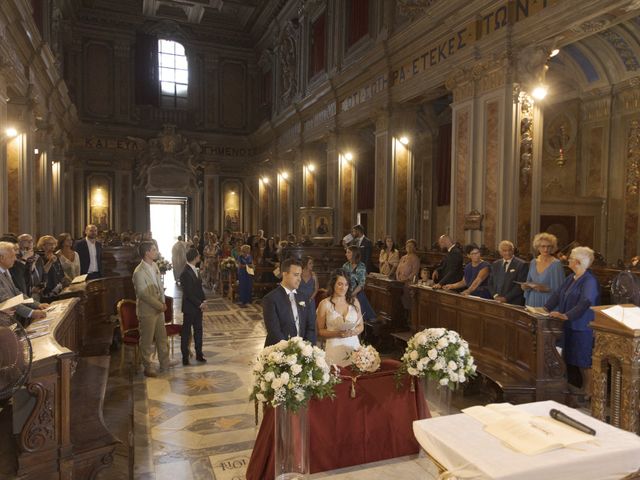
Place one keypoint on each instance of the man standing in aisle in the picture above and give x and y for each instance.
(178, 257)
(365, 245)
(192, 307)
(90, 253)
(150, 308)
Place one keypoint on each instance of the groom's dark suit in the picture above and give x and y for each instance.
(279, 319)
(502, 283)
(192, 298)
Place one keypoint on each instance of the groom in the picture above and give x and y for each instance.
(287, 313)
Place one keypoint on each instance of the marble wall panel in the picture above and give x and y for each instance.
(491, 177)
(401, 210)
(310, 187)
(13, 181)
(98, 80)
(284, 207)
(595, 141)
(585, 231)
(346, 196)
(125, 202)
(210, 203)
(233, 95)
(462, 155)
(561, 132)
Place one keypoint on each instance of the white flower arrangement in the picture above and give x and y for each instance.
(290, 373)
(163, 265)
(440, 354)
(365, 359)
(229, 263)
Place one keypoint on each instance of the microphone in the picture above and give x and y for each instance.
(572, 422)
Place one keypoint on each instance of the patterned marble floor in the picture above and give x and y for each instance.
(196, 422)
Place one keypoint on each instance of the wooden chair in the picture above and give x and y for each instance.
(129, 329)
(172, 329)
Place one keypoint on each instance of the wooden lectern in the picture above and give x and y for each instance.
(616, 358)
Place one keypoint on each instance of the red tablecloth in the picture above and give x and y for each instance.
(376, 425)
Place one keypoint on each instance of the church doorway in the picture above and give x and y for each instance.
(167, 220)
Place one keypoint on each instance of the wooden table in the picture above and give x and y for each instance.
(514, 349)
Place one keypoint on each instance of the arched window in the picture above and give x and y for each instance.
(174, 74)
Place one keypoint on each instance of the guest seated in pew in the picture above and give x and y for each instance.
(389, 257)
(33, 311)
(69, 258)
(545, 271)
(19, 272)
(450, 269)
(476, 275)
(55, 279)
(571, 303)
(339, 319)
(504, 275)
(34, 266)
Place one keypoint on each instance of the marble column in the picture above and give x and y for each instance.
(333, 184)
(382, 219)
(4, 178)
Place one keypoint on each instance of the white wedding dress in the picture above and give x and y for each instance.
(337, 349)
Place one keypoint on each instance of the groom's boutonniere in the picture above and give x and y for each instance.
(303, 304)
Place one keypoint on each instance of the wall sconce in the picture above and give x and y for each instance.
(311, 167)
(36, 151)
(284, 175)
(558, 142)
(11, 132)
(348, 156)
(404, 140)
(265, 180)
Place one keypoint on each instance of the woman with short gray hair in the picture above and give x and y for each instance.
(572, 304)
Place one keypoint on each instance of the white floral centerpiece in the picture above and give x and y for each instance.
(364, 359)
(290, 373)
(229, 263)
(439, 354)
(163, 265)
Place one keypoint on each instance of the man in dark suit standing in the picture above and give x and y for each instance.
(90, 253)
(287, 313)
(504, 274)
(192, 307)
(450, 269)
(365, 245)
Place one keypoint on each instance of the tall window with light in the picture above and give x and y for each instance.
(174, 74)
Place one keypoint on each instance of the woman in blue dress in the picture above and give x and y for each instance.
(309, 281)
(476, 275)
(572, 303)
(357, 275)
(245, 281)
(546, 273)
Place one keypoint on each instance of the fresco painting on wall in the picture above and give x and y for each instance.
(231, 192)
(99, 188)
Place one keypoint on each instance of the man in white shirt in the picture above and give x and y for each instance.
(90, 253)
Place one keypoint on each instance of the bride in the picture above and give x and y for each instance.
(339, 320)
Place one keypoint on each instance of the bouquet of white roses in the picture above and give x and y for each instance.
(290, 373)
(440, 354)
(163, 265)
(365, 359)
(228, 263)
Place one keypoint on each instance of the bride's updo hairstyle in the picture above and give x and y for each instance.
(332, 283)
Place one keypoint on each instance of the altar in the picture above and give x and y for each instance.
(459, 444)
(374, 425)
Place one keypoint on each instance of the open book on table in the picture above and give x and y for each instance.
(523, 432)
(14, 302)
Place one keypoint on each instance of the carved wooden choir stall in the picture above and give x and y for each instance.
(616, 372)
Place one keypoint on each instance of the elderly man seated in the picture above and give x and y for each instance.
(8, 289)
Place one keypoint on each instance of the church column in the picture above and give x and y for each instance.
(4, 178)
(333, 186)
(298, 186)
(384, 173)
(212, 219)
(462, 141)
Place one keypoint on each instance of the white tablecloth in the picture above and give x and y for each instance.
(459, 443)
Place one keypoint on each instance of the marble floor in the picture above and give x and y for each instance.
(196, 422)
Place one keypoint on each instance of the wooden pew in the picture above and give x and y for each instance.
(385, 296)
(513, 348)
